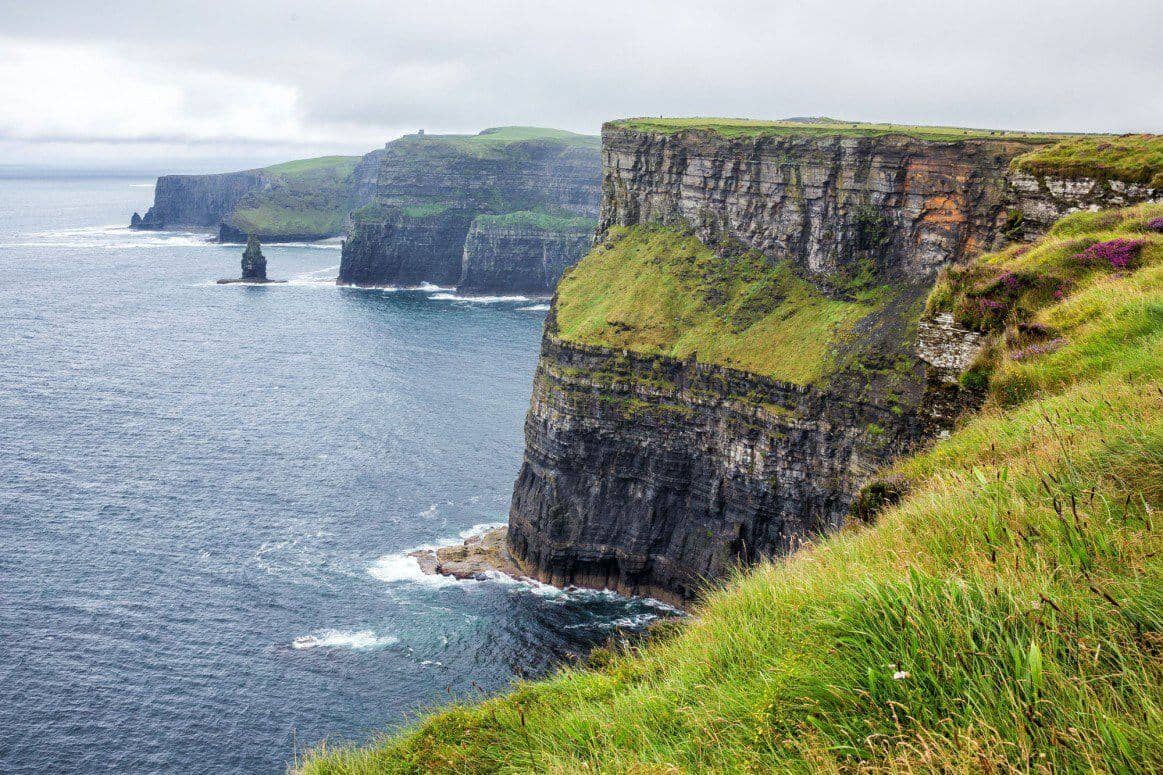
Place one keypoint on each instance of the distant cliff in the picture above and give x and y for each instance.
(430, 188)
(297, 201)
(746, 342)
(521, 252)
(199, 201)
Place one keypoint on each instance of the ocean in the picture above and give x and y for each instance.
(208, 493)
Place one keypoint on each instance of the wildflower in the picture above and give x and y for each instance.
(1010, 280)
(1155, 224)
(1119, 253)
(900, 675)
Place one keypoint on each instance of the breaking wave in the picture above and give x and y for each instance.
(357, 640)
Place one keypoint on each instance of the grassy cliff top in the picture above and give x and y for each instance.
(1132, 158)
(661, 290)
(307, 198)
(1005, 616)
(322, 166)
(743, 127)
(538, 220)
(492, 143)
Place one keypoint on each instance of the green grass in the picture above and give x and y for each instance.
(308, 197)
(661, 290)
(742, 127)
(1132, 158)
(537, 220)
(1010, 294)
(493, 143)
(1006, 616)
(338, 167)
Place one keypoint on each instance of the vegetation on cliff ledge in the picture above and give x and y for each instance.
(1006, 615)
(535, 219)
(305, 198)
(661, 290)
(1130, 158)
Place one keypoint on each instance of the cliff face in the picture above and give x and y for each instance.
(497, 172)
(404, 249)
(1041, 199)
(650, 474)
(912, 205)
(199, 201)
(520, 256)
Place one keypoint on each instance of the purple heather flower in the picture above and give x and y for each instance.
(1010, 279)
(1118, 253)
(1155, 224)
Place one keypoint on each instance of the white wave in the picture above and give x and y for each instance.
(634, 622)
(534, 308)
(141, 185)
(357, 640)
(403, 568)
(478, 530)
(477, 299)
(111, 237)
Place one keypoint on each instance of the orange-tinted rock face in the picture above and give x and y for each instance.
(907, 205)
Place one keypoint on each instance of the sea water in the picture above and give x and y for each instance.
(208, 493)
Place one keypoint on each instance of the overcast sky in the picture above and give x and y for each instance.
(200, 85)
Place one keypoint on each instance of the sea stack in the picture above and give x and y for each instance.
(254, 265)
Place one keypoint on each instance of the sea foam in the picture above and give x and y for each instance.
(357, 640)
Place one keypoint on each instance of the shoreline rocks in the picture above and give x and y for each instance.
(478, 557)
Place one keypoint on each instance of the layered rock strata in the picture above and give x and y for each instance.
(520, 256)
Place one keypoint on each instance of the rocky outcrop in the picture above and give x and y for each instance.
(822, 201)
(521, 255)
(198, 201)
(428, 190)
(1038, 200)
(254, 265)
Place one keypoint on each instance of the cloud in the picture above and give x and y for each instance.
(347, 75)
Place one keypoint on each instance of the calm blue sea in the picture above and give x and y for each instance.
(206, 494)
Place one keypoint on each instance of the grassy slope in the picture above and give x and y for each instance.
(308, 197)
(1133, 158)
(1007, 615)
(662, 291)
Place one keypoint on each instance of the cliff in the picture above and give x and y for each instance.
(307, 199)
(429, 188)
(745, 344)
(1001, 615)
(521, 252)
(198, 201)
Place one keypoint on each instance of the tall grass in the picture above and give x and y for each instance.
(1006, 616)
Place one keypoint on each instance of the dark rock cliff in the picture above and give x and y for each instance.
(428, 189)
(520, 256)
(198, 201)
(652, 475)
(821, 200)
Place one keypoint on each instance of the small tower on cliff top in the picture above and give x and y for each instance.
(254, 263)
